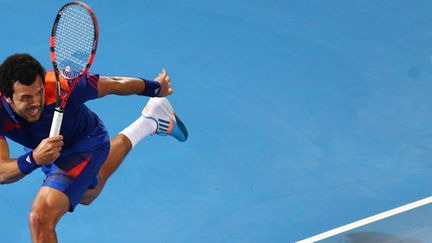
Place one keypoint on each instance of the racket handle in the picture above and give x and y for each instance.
(56, 123)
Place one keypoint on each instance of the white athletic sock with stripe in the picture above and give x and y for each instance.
(139, 129)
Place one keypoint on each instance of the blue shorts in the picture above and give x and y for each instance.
(75, 174)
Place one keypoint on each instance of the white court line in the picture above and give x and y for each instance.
(368, 220)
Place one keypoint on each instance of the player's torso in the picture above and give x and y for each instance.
(79, 124)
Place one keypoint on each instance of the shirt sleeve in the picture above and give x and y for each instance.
(86, 89)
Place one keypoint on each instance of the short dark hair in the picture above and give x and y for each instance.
(21, 68)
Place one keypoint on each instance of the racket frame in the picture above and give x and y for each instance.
(61, 100)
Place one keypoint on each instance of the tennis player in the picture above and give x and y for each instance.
(78, 162)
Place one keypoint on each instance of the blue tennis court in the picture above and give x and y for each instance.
(303, 116)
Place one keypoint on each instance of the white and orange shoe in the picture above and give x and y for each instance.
(168, 123)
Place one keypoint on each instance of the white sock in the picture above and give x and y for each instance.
(139, 129)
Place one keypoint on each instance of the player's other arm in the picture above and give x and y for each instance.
(45, 153)
(9, 171)
(160, 87)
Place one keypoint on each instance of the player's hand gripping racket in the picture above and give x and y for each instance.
(73, 46)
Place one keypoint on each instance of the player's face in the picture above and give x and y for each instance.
(28, 101)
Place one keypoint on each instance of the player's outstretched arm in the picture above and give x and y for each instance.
(159, 87)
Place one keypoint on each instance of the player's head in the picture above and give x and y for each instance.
(21, 83)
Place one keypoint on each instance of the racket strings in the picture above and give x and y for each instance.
(74, 40)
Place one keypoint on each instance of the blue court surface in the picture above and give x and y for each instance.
(303, 116)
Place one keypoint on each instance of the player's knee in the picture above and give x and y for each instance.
(41, 220)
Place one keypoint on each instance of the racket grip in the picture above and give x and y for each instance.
(56, 123)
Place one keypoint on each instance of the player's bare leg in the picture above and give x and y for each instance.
(157, 117)
(120, 147)
(47, 209)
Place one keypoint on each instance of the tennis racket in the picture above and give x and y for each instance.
(73, 46)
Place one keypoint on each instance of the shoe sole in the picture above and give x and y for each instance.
(182, 128)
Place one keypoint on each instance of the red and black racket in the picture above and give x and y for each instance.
(73, 46)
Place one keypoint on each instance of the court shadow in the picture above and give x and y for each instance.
(374, 237)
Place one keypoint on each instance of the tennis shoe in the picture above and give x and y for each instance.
(168, 123)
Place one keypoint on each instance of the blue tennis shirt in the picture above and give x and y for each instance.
(82, 129)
